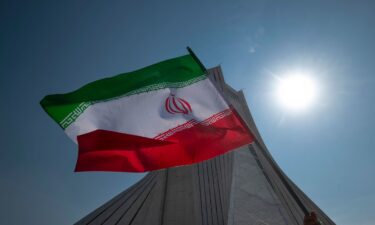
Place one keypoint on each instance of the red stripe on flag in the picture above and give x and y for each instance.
(103, 150)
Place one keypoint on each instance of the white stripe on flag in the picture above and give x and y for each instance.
(145, 114)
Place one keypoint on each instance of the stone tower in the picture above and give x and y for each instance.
(243, 187)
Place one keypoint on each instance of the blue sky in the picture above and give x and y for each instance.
(57, 46)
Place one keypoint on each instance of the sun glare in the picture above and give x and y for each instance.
(296, 91)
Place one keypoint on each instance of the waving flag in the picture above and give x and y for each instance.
(167, 114)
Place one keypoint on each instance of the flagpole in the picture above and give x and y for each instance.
(196, 59)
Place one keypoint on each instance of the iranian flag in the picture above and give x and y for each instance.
(164, 115)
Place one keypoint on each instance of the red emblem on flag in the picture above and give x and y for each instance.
(177, 105)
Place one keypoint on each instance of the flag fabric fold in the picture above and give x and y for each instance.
(167, 114)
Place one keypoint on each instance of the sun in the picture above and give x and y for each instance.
(296, 91)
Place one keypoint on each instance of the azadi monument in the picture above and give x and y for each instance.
(243, 187)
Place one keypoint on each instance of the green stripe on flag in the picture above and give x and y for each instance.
(173, 73)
